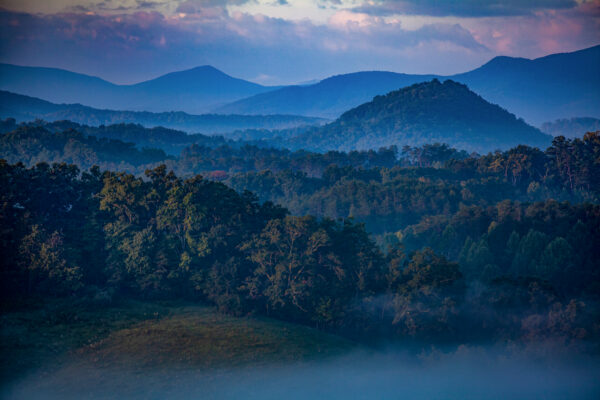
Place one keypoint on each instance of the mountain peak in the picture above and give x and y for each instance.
(499, 62)
(196, 90)
(204, 69)
(205, 72)
(428, 112)
(434, 90)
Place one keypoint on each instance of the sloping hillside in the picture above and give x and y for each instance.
(328, 98)
(557, 86)
(196, 90)
(424, 113)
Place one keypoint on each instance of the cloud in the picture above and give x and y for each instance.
(462, 8)
(362, 30)
(195, 6)
(542, 33)
(133, 45)
(136, 45)
(147, 4)
(114, 6)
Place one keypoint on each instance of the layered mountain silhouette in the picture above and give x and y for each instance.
(26, 108)
(423, 113)
(196, 90)
(328, 98)
(557, 86)
(544, 89)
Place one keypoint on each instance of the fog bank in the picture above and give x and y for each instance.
(463, 374)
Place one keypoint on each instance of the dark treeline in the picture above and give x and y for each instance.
(422, 113)
(389, 199)
(374, 187)
(31, 145)
(554, 241)
(42, 141)
(171, 141)
(229, 161)
(100, 235)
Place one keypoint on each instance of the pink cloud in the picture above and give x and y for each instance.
(542, 32)
(345, 19)
(139, 45)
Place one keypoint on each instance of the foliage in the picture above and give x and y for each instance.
(557, 242)
(114, 234)
(426, 112)
(31, 145)
(390, 199)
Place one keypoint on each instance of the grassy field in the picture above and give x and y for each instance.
(143, 336)
(156, 350)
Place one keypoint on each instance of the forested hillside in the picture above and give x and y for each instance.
(37, 144)
(64, 141)
(428, 112)
(387, 189)
(551, 241)
(436, 182)
(110, 234)
(454, 246)
(538, 90)
(322, 227)
(169, 140)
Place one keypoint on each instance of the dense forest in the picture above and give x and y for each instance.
(333, 221)
(43, 141)
(37, 144)
(496, 247)
(433, 180)
(169, 140)
(387, 189)
(423, 113)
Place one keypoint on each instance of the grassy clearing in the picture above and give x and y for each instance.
(193, 336)
(37, 334)
(144, 335)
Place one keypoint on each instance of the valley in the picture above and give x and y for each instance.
(300, 199)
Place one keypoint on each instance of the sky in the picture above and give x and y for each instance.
(276, 42)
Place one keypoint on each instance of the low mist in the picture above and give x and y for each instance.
(466, 373)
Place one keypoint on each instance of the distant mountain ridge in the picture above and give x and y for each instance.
(423, 113)
(556, 86)
(327, 98)
(26, 108)
(196, 90)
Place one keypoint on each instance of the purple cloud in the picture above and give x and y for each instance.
(462, 8)
(133, 46)
(143, 44)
